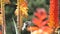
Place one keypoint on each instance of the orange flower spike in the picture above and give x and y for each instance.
(21, 1)
(56, 14)
(53, 17)
(23, 8)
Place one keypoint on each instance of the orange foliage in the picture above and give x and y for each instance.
(32, 28)
(39, 20)
(43, 30)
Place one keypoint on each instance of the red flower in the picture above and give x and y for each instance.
(39, 20)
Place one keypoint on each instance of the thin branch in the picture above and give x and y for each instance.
(15, 26)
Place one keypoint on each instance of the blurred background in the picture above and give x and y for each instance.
(32, 5)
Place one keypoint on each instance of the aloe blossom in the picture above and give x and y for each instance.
(53, 13)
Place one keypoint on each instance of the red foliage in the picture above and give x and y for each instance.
(40, 16)
(40, 21)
